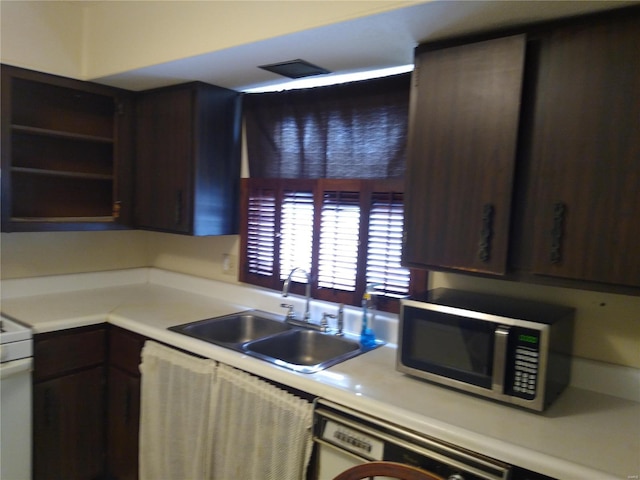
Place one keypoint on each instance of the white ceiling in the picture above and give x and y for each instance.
(377, 41)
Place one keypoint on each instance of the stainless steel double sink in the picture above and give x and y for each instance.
(267, 337)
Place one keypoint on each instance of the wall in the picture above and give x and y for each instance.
(24, 255)
(607, 325)
(56, 253)
(199, 256)
(45, 36)
(119, 32)
(88, 40)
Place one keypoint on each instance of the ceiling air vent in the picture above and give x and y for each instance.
(295, 69)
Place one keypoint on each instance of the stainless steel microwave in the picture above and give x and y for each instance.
(511, 350)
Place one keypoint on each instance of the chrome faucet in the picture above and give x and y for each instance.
(285, 291)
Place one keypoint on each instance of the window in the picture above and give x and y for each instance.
(384, 252)
(326, 191)
(296, 232)
(339, 238)
(346, 233)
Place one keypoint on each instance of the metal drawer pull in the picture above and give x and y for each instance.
(484, 252)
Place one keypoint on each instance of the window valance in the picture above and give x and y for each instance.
(355, 130)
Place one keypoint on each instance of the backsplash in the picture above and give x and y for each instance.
(607, 327)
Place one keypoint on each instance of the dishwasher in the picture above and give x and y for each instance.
(345, 438)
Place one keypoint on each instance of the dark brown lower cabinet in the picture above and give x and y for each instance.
(122, 428)
(69, 405)
(69, 419)
(124, 404)
(86, 404)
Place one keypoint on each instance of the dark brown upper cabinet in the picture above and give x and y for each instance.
(542, 187)
(465, 106)
(584, 163)
(188, 159)
(67, 150)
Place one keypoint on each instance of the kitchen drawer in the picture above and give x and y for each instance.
(58, 353)
(124, 350)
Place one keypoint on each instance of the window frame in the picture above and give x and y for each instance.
(366, 188)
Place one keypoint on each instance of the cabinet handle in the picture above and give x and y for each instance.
(49, 406)
(179, 206)
(484, 252)
(559, 211)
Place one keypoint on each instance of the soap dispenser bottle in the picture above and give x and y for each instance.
(367, 337)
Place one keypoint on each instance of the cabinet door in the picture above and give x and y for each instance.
(586, 154)
(123, 425)
(68, 435)
(123, 403)
(163, 172)
(69, 404)
(465, 106)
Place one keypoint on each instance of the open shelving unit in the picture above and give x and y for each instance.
(63, 153)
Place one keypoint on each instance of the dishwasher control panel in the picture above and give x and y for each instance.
(353, 440)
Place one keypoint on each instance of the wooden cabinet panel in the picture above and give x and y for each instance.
(125, 349)
(188, 168)
(67, 153)
(123, 419)
(56, 354)
(69, 428)
(465, 107)
(585, 155)
(69, 404)
(86, 415)
(123, 425)
(164, 160)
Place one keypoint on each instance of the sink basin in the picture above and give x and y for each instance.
(305, 351)
(234, 330)
(267, 337)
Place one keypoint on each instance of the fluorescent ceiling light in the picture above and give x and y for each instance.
(321, 81)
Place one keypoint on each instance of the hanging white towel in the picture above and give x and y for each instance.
(261, 431)
(176, 417)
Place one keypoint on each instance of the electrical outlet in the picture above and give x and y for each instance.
(229, 264)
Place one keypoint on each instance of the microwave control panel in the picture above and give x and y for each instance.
(524, 373)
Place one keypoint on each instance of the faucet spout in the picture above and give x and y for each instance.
(285, 290)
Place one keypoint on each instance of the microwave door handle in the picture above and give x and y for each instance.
(501, 340)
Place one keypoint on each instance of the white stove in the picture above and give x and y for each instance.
(16, 340)
(16, 364)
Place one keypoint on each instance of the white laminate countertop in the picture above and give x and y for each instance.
(583, 435)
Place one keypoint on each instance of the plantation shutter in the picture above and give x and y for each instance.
(296, 233)
(339, 240)
(384, 250)
(346, 233)
(260, 237)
